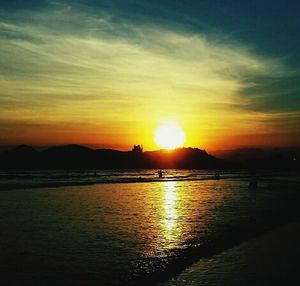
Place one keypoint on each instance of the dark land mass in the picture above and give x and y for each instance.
(81, 157)
(255, 158)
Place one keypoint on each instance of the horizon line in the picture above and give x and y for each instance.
(107, 147)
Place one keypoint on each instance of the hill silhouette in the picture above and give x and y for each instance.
(254, 158)
(81, 157)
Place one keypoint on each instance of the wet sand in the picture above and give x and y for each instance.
(144, 233)
(270, 259)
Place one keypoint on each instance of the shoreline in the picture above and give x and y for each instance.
(271, 258)
(222, 235)
(292, 179)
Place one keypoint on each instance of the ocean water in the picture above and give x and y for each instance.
(129, 227)
(53, 178)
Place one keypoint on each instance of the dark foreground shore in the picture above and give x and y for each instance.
(148, 232)
(270, 259)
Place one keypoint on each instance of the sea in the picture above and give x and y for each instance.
(130, 227)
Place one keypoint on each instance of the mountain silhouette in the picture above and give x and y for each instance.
(81, 157)
(254, 158)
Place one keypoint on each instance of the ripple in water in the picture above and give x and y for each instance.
(122, 233)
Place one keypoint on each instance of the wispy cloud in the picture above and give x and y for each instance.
(69, 65)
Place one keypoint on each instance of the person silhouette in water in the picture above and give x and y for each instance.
(160, 173)
(253, 183)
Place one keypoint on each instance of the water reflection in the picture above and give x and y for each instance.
(170, 205)
(171, 228)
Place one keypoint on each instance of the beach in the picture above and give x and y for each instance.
(270, 259)
(149, 143)
(144, 233)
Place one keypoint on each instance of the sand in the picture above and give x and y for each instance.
(270, 259)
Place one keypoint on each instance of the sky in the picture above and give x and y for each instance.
(108, 73)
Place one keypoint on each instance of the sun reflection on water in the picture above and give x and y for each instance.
(170, 224)
(170, 205)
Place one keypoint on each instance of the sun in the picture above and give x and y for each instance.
(169, 135)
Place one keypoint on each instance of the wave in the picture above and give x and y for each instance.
(38, 179)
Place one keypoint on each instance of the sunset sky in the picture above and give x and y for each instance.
(107, 73)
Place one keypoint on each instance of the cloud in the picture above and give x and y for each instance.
(71, 65)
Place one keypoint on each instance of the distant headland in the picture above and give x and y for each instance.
(81, 157)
